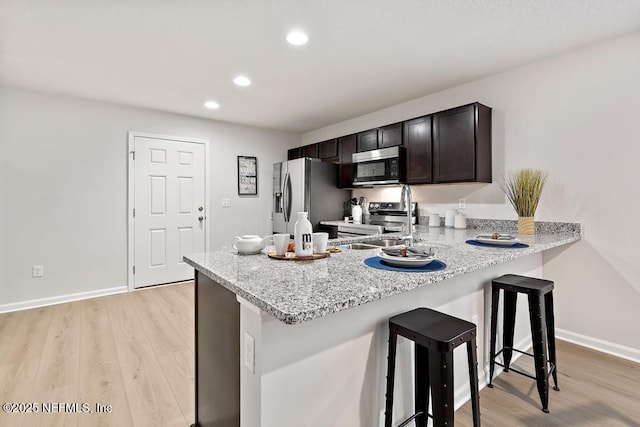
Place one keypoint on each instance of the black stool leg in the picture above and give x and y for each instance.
(509, 323)
(472, 358)
(441, 374)
(391, 367)
(551, 335)
(495, 298)
(421, 385)
(537, 319)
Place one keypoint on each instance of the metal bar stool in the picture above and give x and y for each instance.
(435, 335)
(540, 294)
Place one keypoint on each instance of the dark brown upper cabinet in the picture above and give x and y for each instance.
(328, 150)
(347, 146)
(310, 150)
(294, 153)
(462, 144)
(367, 140)
(417, 148)
(390, 136)
(386, 136)
(449, 146)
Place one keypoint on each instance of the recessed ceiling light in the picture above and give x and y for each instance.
(242, 81)
(212, 105)
(297, 38)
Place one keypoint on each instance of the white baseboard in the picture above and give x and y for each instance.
(24, 305)
(462, 394)
(613, 349)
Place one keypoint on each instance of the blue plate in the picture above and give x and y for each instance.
(377, 262)
(488, 245)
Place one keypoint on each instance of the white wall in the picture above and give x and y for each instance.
(63, 188)
(576, 116)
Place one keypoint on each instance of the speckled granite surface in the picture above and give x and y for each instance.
(295, 292)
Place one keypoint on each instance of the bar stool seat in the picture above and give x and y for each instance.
(540, 295)
(435, 335)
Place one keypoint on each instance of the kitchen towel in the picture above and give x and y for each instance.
(489, 245)
(376, 262)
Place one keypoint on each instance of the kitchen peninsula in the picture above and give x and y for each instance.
(283, 343)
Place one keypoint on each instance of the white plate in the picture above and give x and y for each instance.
(409, 261)
(486, 238)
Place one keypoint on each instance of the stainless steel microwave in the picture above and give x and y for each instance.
(376, 167)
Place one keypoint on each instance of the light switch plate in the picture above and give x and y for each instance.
(37, 271)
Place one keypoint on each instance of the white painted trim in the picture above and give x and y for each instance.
(42, 302)
(131, 193)
(624, 352)
(130, 204)
(462, 394)
(249, 305)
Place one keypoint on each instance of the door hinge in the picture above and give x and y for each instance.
(134, 269)
(134, 212)
(133, 153)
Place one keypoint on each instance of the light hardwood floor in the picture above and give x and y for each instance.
(135, 352)
(596, 389)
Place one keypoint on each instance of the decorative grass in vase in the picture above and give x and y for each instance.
(523, 189)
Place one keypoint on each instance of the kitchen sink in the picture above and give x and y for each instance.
(359, 246)
(374, 244)
(387, 242)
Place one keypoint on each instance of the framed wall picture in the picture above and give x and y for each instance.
(247, 175)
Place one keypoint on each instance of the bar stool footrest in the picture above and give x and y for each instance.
(413, 417)
(552, 366)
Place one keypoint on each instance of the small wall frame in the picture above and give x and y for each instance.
(247, 175)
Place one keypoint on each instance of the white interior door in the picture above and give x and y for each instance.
(169, 208)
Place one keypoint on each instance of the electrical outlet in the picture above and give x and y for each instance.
(226, 203)
(37, 271)
(462, 203)
(249, 352)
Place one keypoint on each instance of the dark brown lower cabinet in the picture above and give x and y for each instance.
(217, 345)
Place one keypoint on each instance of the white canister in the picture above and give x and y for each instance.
(356, 213)
(460, 221)
(303, 232)
(434, 220)
(449, 217)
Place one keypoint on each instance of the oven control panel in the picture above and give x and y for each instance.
(390, 207)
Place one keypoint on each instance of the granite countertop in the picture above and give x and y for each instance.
(299, 291)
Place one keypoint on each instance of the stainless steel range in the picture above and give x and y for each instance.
(385, 217)
(391, 214)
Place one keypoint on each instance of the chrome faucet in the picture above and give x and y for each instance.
(406, 203)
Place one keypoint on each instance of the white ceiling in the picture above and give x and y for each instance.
(363, 55)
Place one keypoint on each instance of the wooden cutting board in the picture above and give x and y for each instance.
(290, 256)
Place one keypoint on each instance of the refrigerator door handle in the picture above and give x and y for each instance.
(287, 197)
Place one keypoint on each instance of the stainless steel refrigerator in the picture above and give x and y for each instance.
(306, 185)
